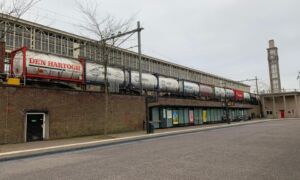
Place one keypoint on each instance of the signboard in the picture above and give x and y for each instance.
(175, 118)
(191, 116)
(204, 115)
(164, 113)
(239, 95)
(169, 114)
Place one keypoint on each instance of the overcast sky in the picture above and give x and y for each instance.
(224, 37)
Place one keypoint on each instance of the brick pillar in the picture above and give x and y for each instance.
(2, 56)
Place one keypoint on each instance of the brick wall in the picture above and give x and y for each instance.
(70, 113)
(78, 113)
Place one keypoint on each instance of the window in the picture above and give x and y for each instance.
(27, 37)
(10, 35)
(274, 72)
(64, 45)
(88, 51)
(70, 47)
(98, 55)
(38, 39)
(2, 28)
(45, 41)
(19, 37)
(52, 44)
(275, 84)
(58, 45)
(93, 53)
(269, 112)
(273, 52)
(82, 49)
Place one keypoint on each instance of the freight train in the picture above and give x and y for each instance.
(27, 64)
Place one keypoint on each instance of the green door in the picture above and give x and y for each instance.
(200, 116)
(196, 116)
(181, 117)
(155, 117)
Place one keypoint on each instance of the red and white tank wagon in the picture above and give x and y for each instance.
(239, 95)
(31, 64)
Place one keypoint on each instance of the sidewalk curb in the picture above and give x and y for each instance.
(15, 155)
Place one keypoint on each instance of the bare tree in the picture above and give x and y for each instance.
(16, 8)
(263, 87)
(102, 28)
(13, 9)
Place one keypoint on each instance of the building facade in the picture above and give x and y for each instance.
(281, 105)
(29, 113)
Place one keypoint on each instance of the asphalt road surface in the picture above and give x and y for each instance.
(269, 150)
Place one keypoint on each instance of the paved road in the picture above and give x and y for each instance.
(268, 150)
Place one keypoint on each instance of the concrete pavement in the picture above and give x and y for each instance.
(269, 150)
(24, 150)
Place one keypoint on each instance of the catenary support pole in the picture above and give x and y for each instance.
(256, 85)
(140, 57)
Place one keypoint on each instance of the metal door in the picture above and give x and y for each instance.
(35, 130)
(281, 113)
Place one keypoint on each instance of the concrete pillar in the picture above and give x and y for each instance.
(274, 108)
(284, 106)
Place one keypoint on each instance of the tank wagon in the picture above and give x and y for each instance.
(26, 64)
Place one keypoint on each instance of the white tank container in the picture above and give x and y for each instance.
(47, 66)
(219, 92)
(189, 88)
(168, 84)
(95, 74)
(246, 96)
(149, 81)
(229, 93)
